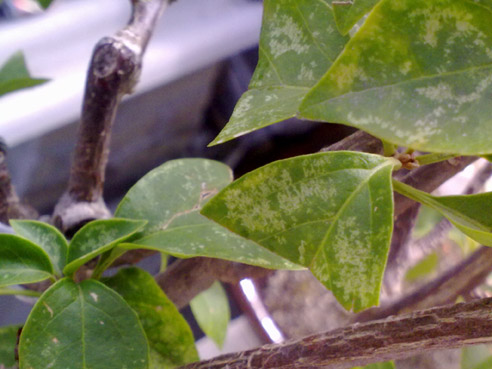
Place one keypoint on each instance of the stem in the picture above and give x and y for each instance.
(389, 149)
(9, 291)
(412, 193)
(434, 158)
(106, 260)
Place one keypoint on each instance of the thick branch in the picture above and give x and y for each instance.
(362, 344)
(114, 71)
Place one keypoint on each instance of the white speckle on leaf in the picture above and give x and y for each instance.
(286, 36)
(94, 296)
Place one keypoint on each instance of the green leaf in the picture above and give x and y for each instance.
(426, 221)
(331, 212)
(476, 357)
(45, 236)
(403, 77)
(212, 312)
(386, 365)
(98, 237)
(348, 13)
(15, 76)
(170, 337)
(469, 213)
(21, 261)
(423, 268)
(45, 3)
(8, 341)
(79, 326)
(170, 198)
(299, 41)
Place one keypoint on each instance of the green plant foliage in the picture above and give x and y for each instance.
(98, 237)
(15, 76)
(348, 13)
(21, 261)
(403, 77)
(212, 313)
(426, 221)
(8, 340)
(170, 197)
(423, 268)
(170, 338)
(469, 213)
(476, 357)
(45, 236)
(45, 3)
(79, 326)
(331, 212)
(386, 365)
(299, 41)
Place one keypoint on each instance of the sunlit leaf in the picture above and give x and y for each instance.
(8, 340)
(169, 335)
(79, 326)
(404, 77)
(15, 76)
(98, 237)
(331, 212)
(21, 261)
(47, 237)
(348, 13)
(212, 313)
(299, 41)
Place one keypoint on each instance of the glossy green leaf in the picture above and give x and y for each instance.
(15, 76)
(170, 198)
(299, 41)
(21, 261)
(212, 313)
(170, 337)
(8, 341)
(81, 326)
(331, 212)
(98, 237)
(476, 357)
(47, 237)
(385, 365)
(469, 213)
(403, 77)
(348, 13)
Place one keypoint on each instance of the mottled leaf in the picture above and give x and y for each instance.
(15, 76)
(97, 237)
(299, 41)
(170, 338)
(331, 212)
(47, 237)
(418, 73)
(79, 326)
(348, 13)
(8, 340)
(21, 261)
(170, 198)
(476, 357)
(212, 313)
(469, 213)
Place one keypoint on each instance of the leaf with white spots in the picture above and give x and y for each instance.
(331, 212)
(81, 326)
(8, 341)
(212, 313)
(47, 237)
(469, 213)
(97, 237)
(299, 41)
(348, 13)
(417, 73)
(170, 338)
(170, 198)
(21, 261)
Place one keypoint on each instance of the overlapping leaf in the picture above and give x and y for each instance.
(417, 73)
(331, 212)
(299, 41)
(21, 261)
(8, 340)
(45, 236)
(15, 76)
(170, 338)
(170, 198)
(348, 13)
(82, 326)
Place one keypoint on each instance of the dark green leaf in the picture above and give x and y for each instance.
(404, 78)
(331, 212)
(348, 13)
(98, 237)
(469, 213)
(170, 198)
(82, 326)
(8, 340)
(15, 76)
(45, 236)
(170, 337)
(21, 261)
(45, 3)
(212, 313)
(299, 41)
